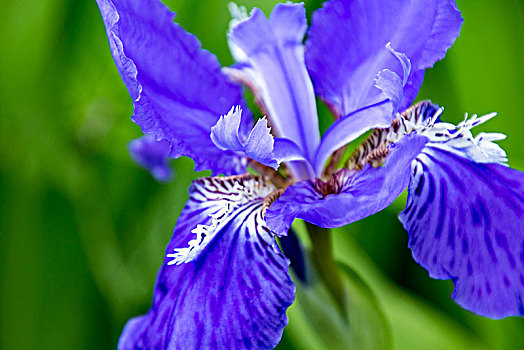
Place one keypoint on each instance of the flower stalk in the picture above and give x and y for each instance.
(325, 264)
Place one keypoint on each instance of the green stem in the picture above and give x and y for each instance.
(325, 264)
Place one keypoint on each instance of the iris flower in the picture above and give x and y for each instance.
(224, 282)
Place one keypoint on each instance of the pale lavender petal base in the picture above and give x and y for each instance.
(235, 293)
(179, 90)
(353, 194)
(465, 222)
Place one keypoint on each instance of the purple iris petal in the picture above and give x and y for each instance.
(465, 223)
(349, 195)
(178, 89)
(293, 250)
(152, 155)
(390, 84)
(260, 144)
(231, 289)
(225, 133)
(271, 54)
(346, 46)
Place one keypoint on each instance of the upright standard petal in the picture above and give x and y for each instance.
(224, 283)
(179, 90)
(465, 223)
(270, 54)
(346, 46)
(350, 195)
(153, 156)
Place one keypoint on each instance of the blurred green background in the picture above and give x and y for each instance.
(83, 230)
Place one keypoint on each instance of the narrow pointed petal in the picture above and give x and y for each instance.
(178, 89)
(349, 195)
(153, 156)
(348, 128)
(346, 46)
(270, 54)
(465, 222)
(286, 151)
(224, 283)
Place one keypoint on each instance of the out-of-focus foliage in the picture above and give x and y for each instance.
(83, 230)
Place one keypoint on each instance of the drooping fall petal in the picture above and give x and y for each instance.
(224, 283)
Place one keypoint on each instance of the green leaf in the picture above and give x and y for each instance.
(415, 324)
(316, 321)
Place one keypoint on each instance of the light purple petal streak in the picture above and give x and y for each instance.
(465, 222)
(153, 156)
(178, 89)
(346, 46)
(234, 294)
(286, 151)
(357, 194)
(390, 83)
(271, 54)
